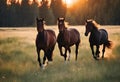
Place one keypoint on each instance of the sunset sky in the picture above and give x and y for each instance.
(69, 3)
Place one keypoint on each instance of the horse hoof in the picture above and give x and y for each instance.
(96, 58)
(102, 57)
(43, 67)
(66, 62)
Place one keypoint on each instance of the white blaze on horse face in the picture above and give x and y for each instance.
(61, 25)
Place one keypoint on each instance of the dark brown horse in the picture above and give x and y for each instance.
(45, 40)
(97, 37)
(66, 38)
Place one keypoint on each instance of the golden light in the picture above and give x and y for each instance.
(70, 3)
(38, 2)
(19, 1)
(30, 2)
(9, 2)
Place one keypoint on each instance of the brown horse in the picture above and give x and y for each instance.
(45, 40)
(66, 38)
(97, 37)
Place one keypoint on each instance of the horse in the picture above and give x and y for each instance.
(45, 40)
(66, 38)
(97, 37)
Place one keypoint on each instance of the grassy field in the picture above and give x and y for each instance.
(18, 59)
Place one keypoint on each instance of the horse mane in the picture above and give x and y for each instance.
(66, 24)
(94, 23)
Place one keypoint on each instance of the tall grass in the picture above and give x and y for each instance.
(18, 63)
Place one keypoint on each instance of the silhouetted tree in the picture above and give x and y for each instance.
(45, 12)
(3, 13)
(103, 11)
(59, 9)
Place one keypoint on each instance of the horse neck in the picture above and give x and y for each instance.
(63, 27)
(95, 33)
(41, 35)
(42, 32)
(64, 30)
(64, 34)
(94, 30)
(39, 28)
(42, 27)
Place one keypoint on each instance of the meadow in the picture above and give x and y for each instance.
(18, 59)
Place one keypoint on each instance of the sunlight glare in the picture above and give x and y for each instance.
(9, 2)
(70, 3)
(38, 2)
(30, 2)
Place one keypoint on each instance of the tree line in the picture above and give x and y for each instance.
(103, 11)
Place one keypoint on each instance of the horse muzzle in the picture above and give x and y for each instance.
(86, 34)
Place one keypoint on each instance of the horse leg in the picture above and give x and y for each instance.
(76, 51)
(92, 48)
(44, 59)
(69, 53)
(38, 52)
(103, 51)
(97, 51)
(65, 55)
(60, 48)
(51, 53)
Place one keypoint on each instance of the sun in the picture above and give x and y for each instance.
(69, 3)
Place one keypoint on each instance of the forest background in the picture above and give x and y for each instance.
(106, 12)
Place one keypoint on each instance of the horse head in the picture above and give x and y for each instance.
(89, 26)
(40, 24)
(61, 24)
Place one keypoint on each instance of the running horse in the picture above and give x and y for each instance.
(97, 37)
(67, 37)
(45, 40)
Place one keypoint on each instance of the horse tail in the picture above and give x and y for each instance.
(109, 44)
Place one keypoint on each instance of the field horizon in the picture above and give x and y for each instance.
(18, 58)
